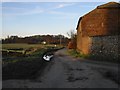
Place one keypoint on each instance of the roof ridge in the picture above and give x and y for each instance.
(110, 5)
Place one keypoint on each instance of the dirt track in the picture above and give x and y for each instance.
(67, 72)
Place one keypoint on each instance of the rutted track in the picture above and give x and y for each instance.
(64, 71)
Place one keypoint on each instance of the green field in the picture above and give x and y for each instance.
(24, 46)
(17, 65)
(28, 48)
(22, 50)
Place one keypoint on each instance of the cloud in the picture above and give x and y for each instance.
(57, 0)
(64, 15)
(31, 12)
(11, 8)
(15, 11)
(63, 5)
(36, 10)
(21, 11)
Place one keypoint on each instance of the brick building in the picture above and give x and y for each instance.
(98, 31)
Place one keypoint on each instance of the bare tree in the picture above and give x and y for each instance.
(72, 34)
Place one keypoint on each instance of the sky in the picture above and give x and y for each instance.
(38, 18)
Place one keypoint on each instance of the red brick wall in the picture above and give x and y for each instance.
(101, 22)
(83, 42)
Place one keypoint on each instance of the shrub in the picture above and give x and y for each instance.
(75, 53)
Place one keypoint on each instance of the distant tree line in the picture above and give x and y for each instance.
(37, 39)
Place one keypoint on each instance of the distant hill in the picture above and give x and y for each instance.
(37, 39)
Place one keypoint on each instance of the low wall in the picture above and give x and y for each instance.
(107, 47)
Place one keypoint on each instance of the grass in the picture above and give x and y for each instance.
(27, 66)
(26, 46)
(76, 54)
(22, 46)
(23, 67)
(15, 52)
(106, 58)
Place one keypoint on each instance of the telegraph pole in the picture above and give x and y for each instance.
(60, 39)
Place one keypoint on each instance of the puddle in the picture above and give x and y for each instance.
(72, 79)
(112, 76)
(109, 74)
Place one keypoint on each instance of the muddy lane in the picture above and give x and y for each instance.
(67, 72)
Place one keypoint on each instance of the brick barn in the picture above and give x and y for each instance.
(98, 31)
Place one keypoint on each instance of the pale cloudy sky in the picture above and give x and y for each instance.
(36, 18)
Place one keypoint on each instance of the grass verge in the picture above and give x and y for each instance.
(76, 54)
(104, 58)
(25, 67)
